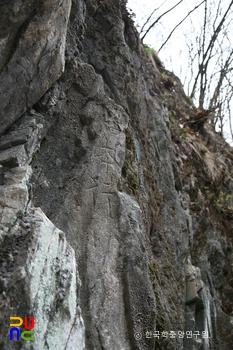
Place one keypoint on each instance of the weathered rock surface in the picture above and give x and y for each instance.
(32, 49)
(105, 148)
(38, 277)
(38, 273)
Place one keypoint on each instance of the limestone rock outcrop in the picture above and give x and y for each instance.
(116, 216)
(38, 275)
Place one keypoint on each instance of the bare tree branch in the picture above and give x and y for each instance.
(209, 69)
(179, 25)
(208, 52)
(222, 76)
(203, 78)
(148, 19)
(158, 19)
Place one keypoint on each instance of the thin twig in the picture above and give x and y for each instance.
(158, 19)
(179, 25)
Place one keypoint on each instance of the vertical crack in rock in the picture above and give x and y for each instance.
(38, 275)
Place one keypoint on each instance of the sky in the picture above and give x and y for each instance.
(158, 34)
(176, 52)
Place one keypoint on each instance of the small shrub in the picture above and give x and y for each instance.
(203, 151)
(35, 155)
(223, 200)
(164, 76)
(149, 50)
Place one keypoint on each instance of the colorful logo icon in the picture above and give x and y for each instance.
(15, 332)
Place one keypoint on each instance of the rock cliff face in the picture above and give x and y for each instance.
(116, 208)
